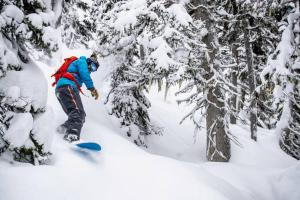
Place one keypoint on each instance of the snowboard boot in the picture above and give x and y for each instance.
(71, 136)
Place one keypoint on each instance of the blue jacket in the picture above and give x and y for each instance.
(80, 70)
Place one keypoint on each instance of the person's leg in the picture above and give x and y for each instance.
(72, 105)
(76, 116)
(62, 129)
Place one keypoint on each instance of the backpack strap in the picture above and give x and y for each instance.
(62, 73)
(70, 76)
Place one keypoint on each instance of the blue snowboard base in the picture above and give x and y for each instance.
(89, 145)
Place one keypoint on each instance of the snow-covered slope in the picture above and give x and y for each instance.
(173, 167)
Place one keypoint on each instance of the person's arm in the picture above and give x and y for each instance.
(84, 73)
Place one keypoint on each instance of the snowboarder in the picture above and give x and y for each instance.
(69, 79)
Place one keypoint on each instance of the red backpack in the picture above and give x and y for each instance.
(62, 72)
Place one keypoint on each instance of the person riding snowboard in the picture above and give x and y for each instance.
(69, 79)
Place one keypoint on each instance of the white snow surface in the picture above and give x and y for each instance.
(50, 37)
(14, 92)
(172, 168)
(12, 14)
(180, 13)
(36, 20)
(19, 130)
(43, 128)
(32, 84)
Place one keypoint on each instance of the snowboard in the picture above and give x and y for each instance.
(87, 150)
(92, 146)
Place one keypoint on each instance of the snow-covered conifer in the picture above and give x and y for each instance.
(77, 23)
(205, 74)
(24, 25)
(257, 19)
(282, 76)
(151, 41)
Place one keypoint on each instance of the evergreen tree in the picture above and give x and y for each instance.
(257, 19)
(151, 41)
(23, 25)
(77, 23)
(236, 49)
(260, 40)
(281, 76)
(205, 73)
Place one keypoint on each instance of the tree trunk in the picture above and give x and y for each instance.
(251, 81)
(234, 78)
(218, 143)
(235, 71)
(57, 7)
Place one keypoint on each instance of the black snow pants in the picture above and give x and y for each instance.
(70, 100)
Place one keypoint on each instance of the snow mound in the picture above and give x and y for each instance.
(19, 129)
(31, 83)
(43, 128)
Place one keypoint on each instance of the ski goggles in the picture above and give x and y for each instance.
(94, 67)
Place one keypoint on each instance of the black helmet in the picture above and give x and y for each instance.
(93, 62)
